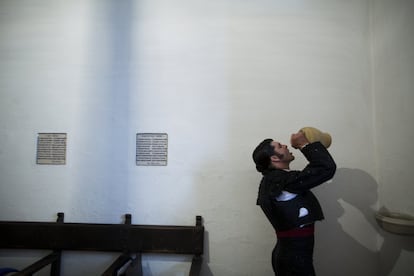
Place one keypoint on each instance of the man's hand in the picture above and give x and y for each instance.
(298, 140)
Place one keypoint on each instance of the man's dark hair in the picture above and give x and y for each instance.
(261, 155)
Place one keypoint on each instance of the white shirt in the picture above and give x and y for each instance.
(285, 196)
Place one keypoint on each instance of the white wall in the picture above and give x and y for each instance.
(393, 83)
(218, 77)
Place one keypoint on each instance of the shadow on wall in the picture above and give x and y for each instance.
(346, 242)
(104, 113)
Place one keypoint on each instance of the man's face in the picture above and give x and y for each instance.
(282, 152)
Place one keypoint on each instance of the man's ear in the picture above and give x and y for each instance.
(274, 158)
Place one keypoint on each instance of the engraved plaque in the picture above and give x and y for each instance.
(152, 149)
(51, 149)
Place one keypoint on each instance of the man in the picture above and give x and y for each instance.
(287, 201)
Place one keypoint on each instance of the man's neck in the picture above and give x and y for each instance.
(282, 166)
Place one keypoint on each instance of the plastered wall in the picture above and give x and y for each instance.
(393, 67)
(218, 77)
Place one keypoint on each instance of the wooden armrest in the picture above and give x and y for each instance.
(196, 265)
(55, 256)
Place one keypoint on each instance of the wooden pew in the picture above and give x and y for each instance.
(128, 239)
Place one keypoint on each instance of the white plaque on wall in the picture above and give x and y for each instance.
(152, 149)
(51, 149)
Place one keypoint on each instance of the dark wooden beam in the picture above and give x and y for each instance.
(102, 237)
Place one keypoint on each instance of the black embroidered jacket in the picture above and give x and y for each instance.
(284, 215)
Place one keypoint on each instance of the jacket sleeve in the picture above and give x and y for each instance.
(320, 169)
